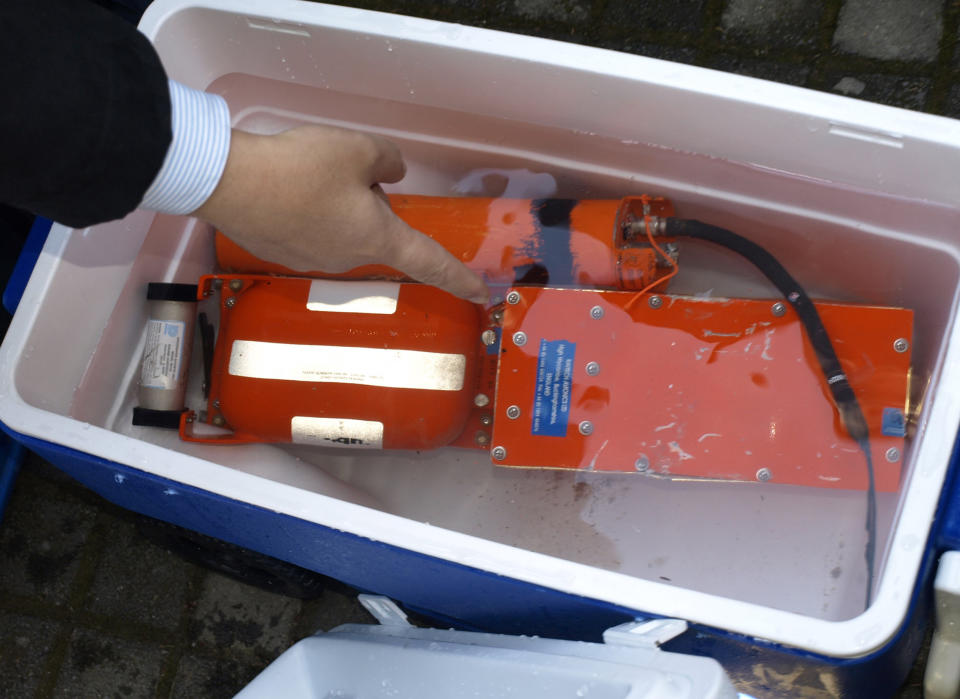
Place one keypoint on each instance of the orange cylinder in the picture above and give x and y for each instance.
(338, 363)
(560, 242)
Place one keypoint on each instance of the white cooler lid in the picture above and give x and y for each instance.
(397, 660)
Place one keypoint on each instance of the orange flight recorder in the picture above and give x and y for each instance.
(584, 363)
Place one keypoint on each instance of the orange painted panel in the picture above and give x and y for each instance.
(704, 388)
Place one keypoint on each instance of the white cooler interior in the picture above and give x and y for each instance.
(856, 213)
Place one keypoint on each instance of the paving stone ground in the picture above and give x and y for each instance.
(89, 608)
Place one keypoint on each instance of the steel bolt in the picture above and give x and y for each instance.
(893, 455)
(593, 368)
(488, 337)
(486, 420)
(586, 427)
(642, 464)
(764, 474)
(498, 453)
(519, 338)
(596, 313)
(236, 284)
(481, 400)
(513, 298)
(901, 344)
(513, 412)
(482, 438)
(230, 302)
(778, 309)
(655, 302)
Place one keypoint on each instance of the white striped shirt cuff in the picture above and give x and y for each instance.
(197, 154)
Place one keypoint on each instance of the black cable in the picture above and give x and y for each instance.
(843, 396)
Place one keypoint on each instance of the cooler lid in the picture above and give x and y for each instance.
(398, 660)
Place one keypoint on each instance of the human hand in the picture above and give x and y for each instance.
(309, 199)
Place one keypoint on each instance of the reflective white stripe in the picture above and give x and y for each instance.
(197, 154)
(337, 432)
(353, 297)
(368, 366)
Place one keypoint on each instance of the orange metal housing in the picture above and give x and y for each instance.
(688, 387)
(561, 242)
(601, 377)
(356, 364)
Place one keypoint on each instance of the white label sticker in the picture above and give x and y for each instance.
(353, 297)
(370, 366)
(162, 354)
(337, 432)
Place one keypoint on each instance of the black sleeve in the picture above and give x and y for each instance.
(85, 119)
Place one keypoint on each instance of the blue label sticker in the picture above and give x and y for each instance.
(893, 424)
(551, 406)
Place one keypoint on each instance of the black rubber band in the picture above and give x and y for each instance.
(167, 419)
(157, 291)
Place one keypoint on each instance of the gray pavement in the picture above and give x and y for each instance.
(90, 608)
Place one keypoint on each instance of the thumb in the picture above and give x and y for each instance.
(425, 260)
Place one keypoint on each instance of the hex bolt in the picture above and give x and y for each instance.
(764, 474)
(655, 302)
(486, 420)
(230, 302)
(893, 455)
(596, 313)
(482, 438)
(642, 464)
(519, 338)
(593, 368)
(498, 453)
(236, 284)
(585, 427)
(778, 309)
(481, 400)
(513, 298)
(488, 337)
(901, 344)
(513, 412)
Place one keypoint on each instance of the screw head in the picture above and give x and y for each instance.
(519, 338)
(219, 421)
(642, 464)
(893, 455)
(585, 427)
(497, 316)
(498, 453)
(236, 284)
(486, 420)
(488, 337)
(216, 404)
(230, 302)
(778, 309)
(596, 313)
(592, 368)
(764, 474)
(482, 438)
(513, 412)
(513, 298)
(655, 302)
(901, 344)
(481, 399)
